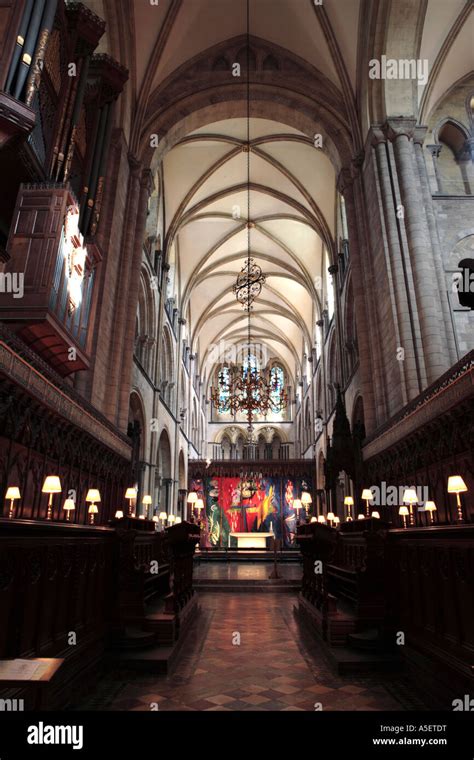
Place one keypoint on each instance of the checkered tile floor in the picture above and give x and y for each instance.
(276, 666)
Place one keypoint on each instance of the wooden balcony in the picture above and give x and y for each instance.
(48, 279)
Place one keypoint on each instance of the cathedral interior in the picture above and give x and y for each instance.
(236, 356)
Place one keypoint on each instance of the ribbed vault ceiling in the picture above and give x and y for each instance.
(292, 210)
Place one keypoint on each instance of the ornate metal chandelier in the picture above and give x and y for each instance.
(249, 284)
(245, 389)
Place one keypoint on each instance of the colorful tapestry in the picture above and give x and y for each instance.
(269, 510)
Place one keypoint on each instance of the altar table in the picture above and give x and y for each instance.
(251, 540)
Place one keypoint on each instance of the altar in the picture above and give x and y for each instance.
(251, 540)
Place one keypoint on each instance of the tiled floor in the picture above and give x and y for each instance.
(247, 652)
(257, 571)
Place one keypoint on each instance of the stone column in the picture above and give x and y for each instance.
(121, 356)
(398, 277)
(364, 331)
(400, 132)
(447, 323)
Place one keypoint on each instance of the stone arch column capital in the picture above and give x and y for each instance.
(376, 135)
(399, 126)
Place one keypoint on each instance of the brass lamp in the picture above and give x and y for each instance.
(199, 505)
(146, 501)
(367, 496)
(321, 519)
(349, 502)
(457, 485)
(93, 496)
(51, 485)
(403, 511)
(93, 510)
(410, 497)
(13, 493)
(163, 517)
(131, 495)
(171, 519)
(330, 517)
(69, 506)
(306, 500)
(297, 505)
(191, 500)
(430, 507)
(336, 521)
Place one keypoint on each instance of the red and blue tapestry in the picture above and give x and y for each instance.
(269, 510)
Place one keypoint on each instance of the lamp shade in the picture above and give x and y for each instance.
(131, 493)
(192, 497)
(314, 519)
(141, 517)
(410, 496)
(171, 518)
(52, 484)
(367, 494)
(456, 484)
(403, 511)
(306, 498)
(361, 517)
(146, 499)
(376, 515)
(178, 520)
(348, 501)
(69, 505)
(93, 495)
(199, 504)
(321, 519)
(337, 520)
(163, 516)
(430, 506)
(93, 509)
(155, 518)
(330, 515)
(297, 504)
(119, 514)
(13, 492)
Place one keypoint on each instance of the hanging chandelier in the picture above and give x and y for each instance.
(244, 389)
(249, 284)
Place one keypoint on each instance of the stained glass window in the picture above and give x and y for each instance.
(277, 378)
(224, 389)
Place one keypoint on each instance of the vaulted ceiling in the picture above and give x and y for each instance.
(292, 209)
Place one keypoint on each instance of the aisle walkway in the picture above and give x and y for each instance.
(257, 571)
(275, 666)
